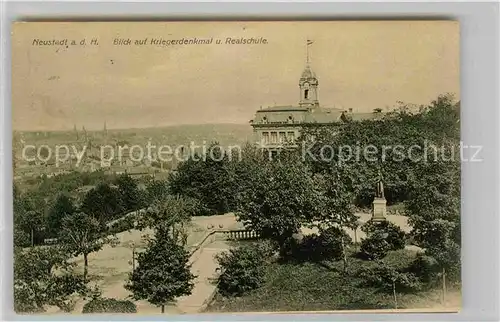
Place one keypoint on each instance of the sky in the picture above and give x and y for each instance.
(361, 65)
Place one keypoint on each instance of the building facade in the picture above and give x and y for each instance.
(277, 127)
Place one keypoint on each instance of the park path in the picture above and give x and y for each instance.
(204, 267)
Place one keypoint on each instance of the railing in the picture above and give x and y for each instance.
(241, 234)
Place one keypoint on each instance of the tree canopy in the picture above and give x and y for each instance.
(163, 273)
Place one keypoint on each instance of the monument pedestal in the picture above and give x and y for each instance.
(379, 210)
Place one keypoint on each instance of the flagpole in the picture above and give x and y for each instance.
(308, 43)
(307, 51)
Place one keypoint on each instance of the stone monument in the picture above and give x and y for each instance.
(379, 204)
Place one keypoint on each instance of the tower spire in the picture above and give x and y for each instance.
(308, 83)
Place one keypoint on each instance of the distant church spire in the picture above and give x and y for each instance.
(76, 131)
(84, 132)
(105, 133)
(308, 83)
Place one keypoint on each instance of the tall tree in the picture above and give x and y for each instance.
(163, 273)
(205, 177)
(81, 235)
(36, 285)
(434, 213)
(62, 207)
(338, 207)
(104, 202)
(157, 190)
(171, 214)
(278, 199)
(382, 146)
(29, 219)
(132, 197)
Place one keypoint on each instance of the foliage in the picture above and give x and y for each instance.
(396, 238)
(69, 182)
(243, 270)
(312, 287)
(329, 245)
(333, 242)
(433, 208)
(109, 305)
(427, 269)
(21, 238)
(81, 235)
(359, 145)
(103, 202)
(62, 207)
(171, 214)
(278, 199)
(157, 190)
(375, 246)
(204, 177)
(388, 279)
(338, 212)
(123, 224)
(163, 273)
(36, 285)
(131, 196)
(29, 219)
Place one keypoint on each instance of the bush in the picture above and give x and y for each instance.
(242, 270)
(396, 238)
(266, 247)
(108, 305)
(388, 279)
(330, 242)
(124, 224)
(426, 268)
(375, 246)
(325, 246)
(305, 249)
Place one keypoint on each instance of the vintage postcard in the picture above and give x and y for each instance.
(245, 166)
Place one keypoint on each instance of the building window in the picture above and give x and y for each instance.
(265, 137)
(291, 136)
(274, 137)
(282, 137)
(306, 94)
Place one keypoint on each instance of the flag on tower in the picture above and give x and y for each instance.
(309, 42)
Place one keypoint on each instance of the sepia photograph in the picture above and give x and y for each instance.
(237, 167)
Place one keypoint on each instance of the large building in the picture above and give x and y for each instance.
(277, 126)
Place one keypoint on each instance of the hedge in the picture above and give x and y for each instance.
(108, 305)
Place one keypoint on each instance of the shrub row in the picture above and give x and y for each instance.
(109, 305)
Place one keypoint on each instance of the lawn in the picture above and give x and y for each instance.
(318, 287)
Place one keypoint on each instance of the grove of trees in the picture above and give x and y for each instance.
(274, 197)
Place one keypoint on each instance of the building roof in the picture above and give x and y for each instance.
(365, 116)
(308, 73)
(285, 108)
(297, 115)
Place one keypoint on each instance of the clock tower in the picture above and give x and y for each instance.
(308, 85)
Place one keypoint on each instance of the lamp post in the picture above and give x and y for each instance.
(132, 244)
